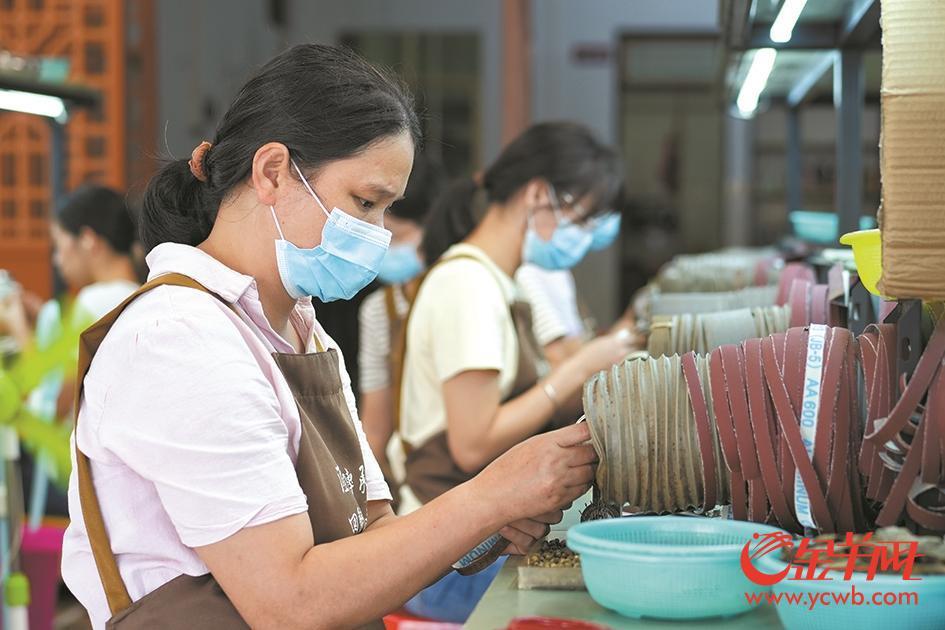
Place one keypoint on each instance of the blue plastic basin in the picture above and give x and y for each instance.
(927, 614)
(666, 567)
(821, 227)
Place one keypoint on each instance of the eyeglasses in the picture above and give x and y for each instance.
(580, 213)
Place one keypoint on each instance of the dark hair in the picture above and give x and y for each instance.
(567, 155)
(425, 184)
(103, 211)
(323, 102)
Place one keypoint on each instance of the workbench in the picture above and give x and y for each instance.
(504, 602)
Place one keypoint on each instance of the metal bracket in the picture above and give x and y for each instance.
(909, 342)
(861, 313)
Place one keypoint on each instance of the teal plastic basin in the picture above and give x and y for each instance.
(666, 567)
(821, 227)
(927, 614)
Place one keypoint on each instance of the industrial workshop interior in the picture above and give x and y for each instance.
(488, 314)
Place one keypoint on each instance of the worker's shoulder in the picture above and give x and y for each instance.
(180, 314)
(460, 273)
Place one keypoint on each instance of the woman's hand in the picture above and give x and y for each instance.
(524, 533)
(539, 476)
(14, 317)
(605, 351)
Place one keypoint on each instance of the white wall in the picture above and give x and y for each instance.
(325, 21)
(588, 93)
(207, 48)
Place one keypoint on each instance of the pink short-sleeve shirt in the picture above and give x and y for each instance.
(191, 429)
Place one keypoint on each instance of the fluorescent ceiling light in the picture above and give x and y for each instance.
(783, 26)
(756, 80)
(29, 103)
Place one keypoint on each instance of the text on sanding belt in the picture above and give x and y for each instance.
(810, 409)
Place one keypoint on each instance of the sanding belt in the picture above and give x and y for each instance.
(757, 391)
(757, 386)
(752, 386)
(809, 301)
(904, 448)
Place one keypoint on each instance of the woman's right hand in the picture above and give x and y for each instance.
(541, 475)
(605, 351)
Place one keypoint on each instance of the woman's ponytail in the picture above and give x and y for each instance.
(176, 208)
(452, 218)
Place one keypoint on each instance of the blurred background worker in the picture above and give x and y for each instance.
(93, 239)
(475, 381)
(561, 320)
(383, 312)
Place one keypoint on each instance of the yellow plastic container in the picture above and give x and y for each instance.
(868, 255)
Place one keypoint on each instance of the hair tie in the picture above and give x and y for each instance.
(196, 160)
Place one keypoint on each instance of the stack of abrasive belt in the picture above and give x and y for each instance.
(719, 271)
(774, 427)
(648, 441)
(711, 302)
(702, 333)
(809, 301)
(797, 289)
(903, 454)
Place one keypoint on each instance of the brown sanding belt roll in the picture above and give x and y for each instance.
(664, 426)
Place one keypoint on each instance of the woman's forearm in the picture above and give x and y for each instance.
(559, 350)
(353, 580)
(376, 412)
(277, 577)
(513, 422)
(517, 419)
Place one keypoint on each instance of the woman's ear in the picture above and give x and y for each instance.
(536, 194)
(271, 172)
(87, 239)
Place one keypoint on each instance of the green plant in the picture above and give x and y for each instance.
(27, 371)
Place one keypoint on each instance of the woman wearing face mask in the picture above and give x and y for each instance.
(382, 313)
(92, 239)
(562, 325)
(474, 380)
(92, 236)
(222, 478)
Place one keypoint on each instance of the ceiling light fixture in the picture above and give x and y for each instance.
(755, 81)
(784, 24)
(30, 103)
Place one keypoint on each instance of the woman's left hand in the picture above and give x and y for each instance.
(524, 533)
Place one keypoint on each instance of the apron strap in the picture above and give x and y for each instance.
(89, 342)
(390, 303)
(400, 359)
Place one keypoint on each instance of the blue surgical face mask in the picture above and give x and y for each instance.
(569, 243)
(605, 231)
(344, 262)
(400, 265)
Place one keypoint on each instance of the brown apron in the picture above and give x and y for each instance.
(430, 468)
(330, 469)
